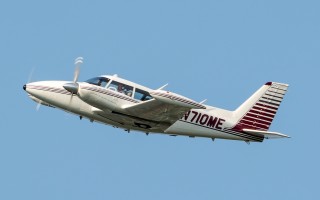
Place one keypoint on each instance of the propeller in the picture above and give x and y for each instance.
(78, 61)
(29, 81)
(31, 75)
(38, 106)
(73, 87)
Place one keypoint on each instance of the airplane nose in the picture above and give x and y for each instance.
(24, 87)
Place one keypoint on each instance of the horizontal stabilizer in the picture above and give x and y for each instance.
(266, 134)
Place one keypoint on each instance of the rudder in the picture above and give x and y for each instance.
(258, 112)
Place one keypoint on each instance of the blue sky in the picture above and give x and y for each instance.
(217, 50)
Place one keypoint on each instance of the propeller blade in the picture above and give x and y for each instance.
(31, 75)
(38, 106)
(73, 87)
(76, 74)
(78, 62)
(70, 100)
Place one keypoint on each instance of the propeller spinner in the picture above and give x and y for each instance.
(73, 87)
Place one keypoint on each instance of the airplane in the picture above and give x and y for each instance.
(114, 101)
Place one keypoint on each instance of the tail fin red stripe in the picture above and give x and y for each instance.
(261, 113)
(255, 116)
(256, 120)
(266, 106)
(260, 109)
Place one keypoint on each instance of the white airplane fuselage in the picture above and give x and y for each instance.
(108, 106)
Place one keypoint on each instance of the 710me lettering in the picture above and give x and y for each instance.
(204, 119)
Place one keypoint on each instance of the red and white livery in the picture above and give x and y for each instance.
(118, 102)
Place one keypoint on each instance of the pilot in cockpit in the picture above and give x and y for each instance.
(129, 93)
(99, 82)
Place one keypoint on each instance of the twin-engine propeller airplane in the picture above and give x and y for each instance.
(121, 103)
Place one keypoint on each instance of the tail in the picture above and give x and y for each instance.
(256, 114)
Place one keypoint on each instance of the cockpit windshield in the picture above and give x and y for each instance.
(120, 87)
(99, 81)
(142, 95)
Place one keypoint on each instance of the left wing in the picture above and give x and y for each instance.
(166, 107)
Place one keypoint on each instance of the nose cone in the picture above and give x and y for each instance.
(24, 87)
(72, 87)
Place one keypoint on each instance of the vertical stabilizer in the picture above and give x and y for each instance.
(257, 112)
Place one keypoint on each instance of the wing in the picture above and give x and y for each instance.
(166, 107)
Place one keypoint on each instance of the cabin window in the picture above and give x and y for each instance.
(99, 81)
(142, 95)
(120, 87)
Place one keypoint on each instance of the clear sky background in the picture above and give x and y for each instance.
(222, 51)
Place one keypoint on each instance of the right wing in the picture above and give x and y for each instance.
(166, 107)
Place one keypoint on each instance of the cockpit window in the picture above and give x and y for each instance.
(142, 95)
(99, 81)
(120, 87)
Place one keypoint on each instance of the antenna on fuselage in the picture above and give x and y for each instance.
(202, 102)
(161, 88)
